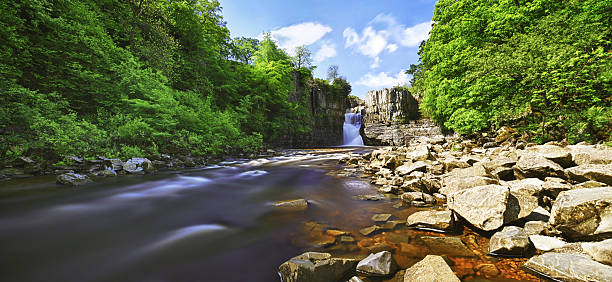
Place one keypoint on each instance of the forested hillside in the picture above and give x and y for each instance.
(139, 77)
(542, 66)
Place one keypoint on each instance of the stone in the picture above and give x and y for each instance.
(526, 192)
(552, 186)
(417, 199)
(535, 227)
(335, 233)
(536, 166)
(355, 279)
(378, 264)
(114, 164)
(390, 225)
(292, 205)
(476, 170)
(511, 240)
(438, 220)
(583, 213)
(347, 239)
(538, 214)
(504, 133)
(488, 269)
(73, 179)
(408, 168)
(452, 246)
(372, 197)
(451, 163)
(381, 217)
(485, 207)
(380, 247)
(589, 184)
(316, 267)
(369, 230)
(569, 267)
(557, 154)
(138, 166)
(546, 243)
(587, 154)
(432, 268)
(104, 173)
(455, 184)
(599, 251)
(596, 172)
(420, 153)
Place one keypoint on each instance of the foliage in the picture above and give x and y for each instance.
(543, 66)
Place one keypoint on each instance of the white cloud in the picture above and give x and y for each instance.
(326, 51)
(382, 79)
(372, 42)
(296, 35)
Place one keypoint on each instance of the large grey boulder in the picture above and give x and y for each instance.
(476, 170)
(526, 192)
(438, 220)
(599, 251)
(511, 240)
(486, 207)
(588, 154)
(557, 154)
(73, 179)
(408, 168)
(316, 267)
(535, 166)
(583, 213)
(138, 166)
(114, 164)
(431, 268)
(595, 172)
(419, 153)
(455, 184)
(378, 264)
(569, 267)
(546, 243)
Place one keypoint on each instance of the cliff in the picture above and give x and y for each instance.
(391, 117)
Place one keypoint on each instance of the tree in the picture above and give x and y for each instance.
(332, 72)
(302, 58)
(242, 49)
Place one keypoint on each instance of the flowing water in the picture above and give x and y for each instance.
(207, 224)
(350, 128)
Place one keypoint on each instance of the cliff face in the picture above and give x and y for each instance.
(391, 117)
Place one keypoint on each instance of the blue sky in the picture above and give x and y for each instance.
(372, 42)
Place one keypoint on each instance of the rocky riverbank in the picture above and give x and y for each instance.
(498, 205)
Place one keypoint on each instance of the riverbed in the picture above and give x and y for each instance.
(215, 223)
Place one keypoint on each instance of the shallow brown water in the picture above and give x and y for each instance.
(207, 224)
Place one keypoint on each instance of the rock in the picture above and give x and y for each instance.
(355, 279)
(346, 239)
(378, 264)
(451, 163)
(585, 154)
(319, 267)
(536, 166)
(538, 214)
(569, 267)
(526, 192)
(420, 153)
(535, 227)
(599, 251)
(292, 205)
(104, 173)
(476, 170)
(595, 172)
(138, 165)
(381, 217)
(486, 207)
(417, 199)
(369, 230)
(335, 233)
(390, 225)
(455, 184)
(406, 169)
(589, 184)
(373, 197)
(583, 213)
(439, 220)
(431, 268)
(380, 247)
(489, 145)
(557, 154)
(504, 133)
(73, 179)
(546, 243)
(323, 241)
(511, 240)
(114, 164)
(452, 246)
(552, 186)
(487, 269)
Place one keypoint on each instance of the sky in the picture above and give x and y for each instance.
(372, 41)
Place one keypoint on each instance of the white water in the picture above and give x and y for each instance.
(352, 124)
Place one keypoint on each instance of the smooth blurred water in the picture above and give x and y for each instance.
(351, 127)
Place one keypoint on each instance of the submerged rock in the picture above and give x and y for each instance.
(316, 267)
(583, 213)
(378, 264)
(431, 268)
(292, 205)
(381, 217)
(511, 240)
(569, 267)
(73, 179)
(452, 246)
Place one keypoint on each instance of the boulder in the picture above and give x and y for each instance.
(408, 168)
(292, 205)
(114, 164)
(546, 243)
(431, 268)
(511, 240)
(420, 153)
(535, 227)
(486, 207)
(455, 184)
(595, 172)
(476, 170)
(369, 230)
(378, 264)
(526, 193)
(417, 199)
(104, 173)
(73, 179)
(452, 246)
(557, 154)
(381, 217)
(438, 220)
(569, 267)
(583, 213)
(536, 166)
(319, 267)
(138, 166)
(599, 251)
(588, 154)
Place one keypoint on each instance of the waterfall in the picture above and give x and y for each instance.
(352, 124)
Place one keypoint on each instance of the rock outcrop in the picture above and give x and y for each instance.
(315, 267)
(431, 268)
